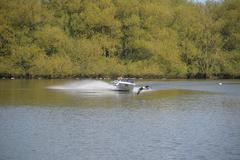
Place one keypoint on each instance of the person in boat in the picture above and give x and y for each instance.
(142, 88)
(120, 78)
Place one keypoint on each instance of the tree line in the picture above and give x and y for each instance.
(108, 38)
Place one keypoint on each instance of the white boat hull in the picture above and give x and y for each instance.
(123, 86)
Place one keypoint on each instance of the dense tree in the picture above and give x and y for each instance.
(89, 38)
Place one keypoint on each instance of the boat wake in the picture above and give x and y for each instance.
(85, 88)
(84, 85)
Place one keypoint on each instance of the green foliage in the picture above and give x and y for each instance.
(7, 39)
(156, 38)
(22, 60)
(30, 14)
(52, 40)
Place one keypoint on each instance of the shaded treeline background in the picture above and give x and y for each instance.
(141, 38)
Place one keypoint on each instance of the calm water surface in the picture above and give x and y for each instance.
(85, 120)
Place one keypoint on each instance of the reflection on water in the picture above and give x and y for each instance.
(58, 119)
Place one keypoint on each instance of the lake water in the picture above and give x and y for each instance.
(85, 120)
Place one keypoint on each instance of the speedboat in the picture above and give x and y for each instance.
(124, 84)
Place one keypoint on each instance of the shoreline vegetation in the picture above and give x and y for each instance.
(157, 39)
(102, 77)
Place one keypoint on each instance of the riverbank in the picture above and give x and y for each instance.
(92, 76)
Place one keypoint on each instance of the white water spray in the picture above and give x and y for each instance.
(85, 85)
